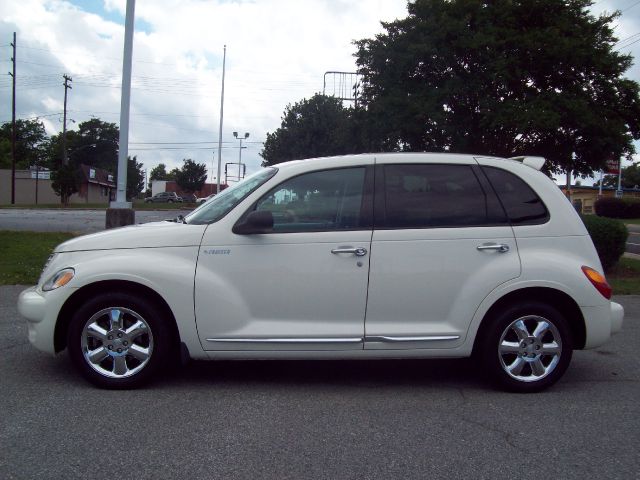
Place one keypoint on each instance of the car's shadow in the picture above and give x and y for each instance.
(364, 373)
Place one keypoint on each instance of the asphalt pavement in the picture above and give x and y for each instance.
(326, 420)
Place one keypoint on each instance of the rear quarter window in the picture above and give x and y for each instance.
(522, 204)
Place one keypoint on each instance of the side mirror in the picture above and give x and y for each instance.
(256, 222)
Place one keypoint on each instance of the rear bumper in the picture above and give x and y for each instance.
(601, 322)
(617, 316)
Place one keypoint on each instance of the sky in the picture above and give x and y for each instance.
(277, 53)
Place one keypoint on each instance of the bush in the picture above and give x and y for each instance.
(609, 236)
(617, 208)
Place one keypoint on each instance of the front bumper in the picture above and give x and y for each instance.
(41, 311)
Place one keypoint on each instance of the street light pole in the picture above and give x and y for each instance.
(120, 212)
(246, 135)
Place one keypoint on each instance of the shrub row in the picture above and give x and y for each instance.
(609, 237)
(617, 207)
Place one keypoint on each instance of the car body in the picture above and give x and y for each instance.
(204, 199)
(362, 256)
(188, 198)
(164, 197)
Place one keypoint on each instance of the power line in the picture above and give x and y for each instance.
(630, 7)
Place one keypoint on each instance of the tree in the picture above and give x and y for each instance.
(135, 177)
(191, 176)
(31, 139)
(501, 78)
(159, 173)
(317, 127)
(95, 144)
(65, 181)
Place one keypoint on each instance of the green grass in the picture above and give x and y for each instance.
(624, 278)
(634, 221)
(23, 254)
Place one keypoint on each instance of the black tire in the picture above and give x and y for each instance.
(516, 358)
(169, 201)
(119, 341)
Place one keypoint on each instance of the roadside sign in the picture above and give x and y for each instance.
(613, 166)
(618, 193)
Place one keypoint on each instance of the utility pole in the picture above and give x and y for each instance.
(120, 212)
(13, 125)
(224, 60)
(67, 79)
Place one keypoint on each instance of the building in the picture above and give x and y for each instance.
(96, 186)
(583, 198)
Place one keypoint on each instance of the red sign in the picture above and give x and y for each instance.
(613, 166)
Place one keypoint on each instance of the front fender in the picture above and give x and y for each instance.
(168, 271)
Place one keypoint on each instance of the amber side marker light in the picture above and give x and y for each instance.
(598, 281)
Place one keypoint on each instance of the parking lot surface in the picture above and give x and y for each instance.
(334, 420)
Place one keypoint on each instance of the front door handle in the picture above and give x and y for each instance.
(357, 251)
(499, 247)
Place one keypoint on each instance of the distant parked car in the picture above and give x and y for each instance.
(164, 197)
(189, 198)
(204, 199)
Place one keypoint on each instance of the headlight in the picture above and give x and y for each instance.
(58, 280)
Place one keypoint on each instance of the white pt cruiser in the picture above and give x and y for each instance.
(354, 257)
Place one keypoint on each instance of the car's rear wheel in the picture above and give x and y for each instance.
(169, 201)
(118, 341)
(526, 347)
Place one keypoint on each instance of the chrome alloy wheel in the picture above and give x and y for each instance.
(530, 348)
(117, 342)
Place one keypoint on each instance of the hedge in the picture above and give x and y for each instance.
(617, 207)
(609, 237)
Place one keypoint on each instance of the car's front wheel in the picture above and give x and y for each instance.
(526, 347)
(118, 341)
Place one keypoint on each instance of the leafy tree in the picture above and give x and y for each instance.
(65, 182)
(191, 176)
(31, 141)
(319, 126)
(159, 173)
(95, 143)
(135, 177)
(501, 78)
(173, 174)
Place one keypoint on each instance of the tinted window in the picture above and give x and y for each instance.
(318, 201)
(422, 196)
(521, 203)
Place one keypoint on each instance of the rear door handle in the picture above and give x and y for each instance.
(499, 247)
(357, 251)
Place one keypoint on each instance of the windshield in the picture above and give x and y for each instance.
(217, 207)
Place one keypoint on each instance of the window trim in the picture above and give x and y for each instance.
(366, 204)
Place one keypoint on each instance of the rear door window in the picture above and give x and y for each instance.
(433, 195)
